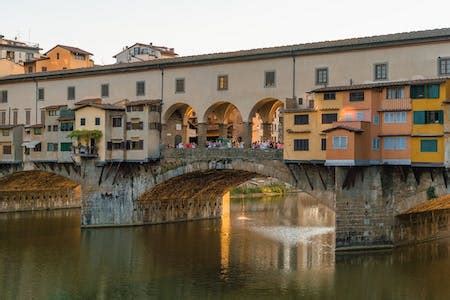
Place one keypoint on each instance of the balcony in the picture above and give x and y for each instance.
(85, 151)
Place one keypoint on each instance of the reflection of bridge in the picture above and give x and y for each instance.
(188, 184)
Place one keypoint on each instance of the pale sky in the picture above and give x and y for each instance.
(204, 26)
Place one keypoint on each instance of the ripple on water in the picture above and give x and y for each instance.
(291, 235)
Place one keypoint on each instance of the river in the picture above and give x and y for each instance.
(279, 247)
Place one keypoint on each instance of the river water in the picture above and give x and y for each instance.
(263, 248)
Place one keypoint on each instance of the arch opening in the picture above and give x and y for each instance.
(266, 118)
(224, 122)
(180, 126)
(38, 190)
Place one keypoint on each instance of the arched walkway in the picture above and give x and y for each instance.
(266, 120)
(223, 121)
(180, 125)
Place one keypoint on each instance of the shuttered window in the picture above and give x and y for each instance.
(301, 145)
(428, 145)
(429, 117)
(425, 91)
(329, 118)
(301, 119)
(66, 147)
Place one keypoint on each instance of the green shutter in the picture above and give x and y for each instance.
(441, 116)
(432, 91)
(65, 147)
(428, 146)
(419, 117)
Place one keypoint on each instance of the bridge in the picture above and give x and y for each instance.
(188, 184)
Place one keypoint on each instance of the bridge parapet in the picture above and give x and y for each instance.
(226, 153)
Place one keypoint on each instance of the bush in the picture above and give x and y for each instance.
(431, 193)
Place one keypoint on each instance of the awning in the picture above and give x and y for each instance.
(31, 145)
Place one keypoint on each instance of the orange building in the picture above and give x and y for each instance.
(60, 58)
(396, 123)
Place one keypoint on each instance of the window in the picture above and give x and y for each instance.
(376, 144)
(329, 96)
(301, 145)
(42, 116)
(57, 55)
(322, 76)
(381, 71)
(67, 126)
(55, 127)
(44, 69)
(323, 144)
(357, 96)
(444, 66)
(269, 79)
(97, 121)
(2, 117)
(394, 143)
(179, 85)
(115, 145)
(82, 121)
(105, 90)
(395, 117)
(27, 117)
(5, 132)
(117, 122)
(7, 149)
(15, 117)
(222, 82)
(66, 147)
(49, 128)
(428, 145)
(37, 148)
(135, 125)
(3, 96)
(429, 117)
(41, 94)
(329, 118)
(301, 119)
(135, 145)
(395, 93)
(52, 112)
(425, 91)
(30, 69)
(52, 147)
(140, 88)
(71, 93)
(376, 119)
(360, 115)
(135, 108)
(340, 142)
(37, 131)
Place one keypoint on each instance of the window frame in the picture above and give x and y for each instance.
(274, 84)
(333, 94)
(447, 62)
(225, 82)
(299, 117)
(140, 88)
(319, 78)
(396, 94)
(375, 71)
(338, 145)
(71, 93)
(3, 96)
(324, 115)
(41, 94)
(183, 90)
(435, 146)
(104, 87)
(301, 144)
(357, 99)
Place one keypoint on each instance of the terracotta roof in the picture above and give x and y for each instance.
(35, 126)
(162, 49)
(89, 101)
(144, 102)
(377, 85)
(101, 106)
(435, 204)
(348, 128)
(71, 49)
(52, 107)
(387, 40)
(36, 59)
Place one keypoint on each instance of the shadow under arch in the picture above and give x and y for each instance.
(223, 120)
(180, 125)
(265, 118)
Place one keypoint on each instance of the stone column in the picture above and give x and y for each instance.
(267, 131)
(202, 129)
(164, 138)
(247, 134)
(223, 130)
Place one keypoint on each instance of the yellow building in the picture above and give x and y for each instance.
(427, 137)
(60, 57)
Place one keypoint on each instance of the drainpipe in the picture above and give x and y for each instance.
(293, 76)
(36, 99)
(160, 108)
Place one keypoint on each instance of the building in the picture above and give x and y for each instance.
(217, 95)
(144, 52)
(9, 67)
(60, 57)
(58, 125)
(396, 123)
(17, 51)
(10, 143)
(34, 143)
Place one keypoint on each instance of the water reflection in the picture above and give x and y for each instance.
(272, 247)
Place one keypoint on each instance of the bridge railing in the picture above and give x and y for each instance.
(217, 153)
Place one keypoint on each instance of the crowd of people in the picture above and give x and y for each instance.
(229, 144)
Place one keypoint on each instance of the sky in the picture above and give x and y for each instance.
(204, 26)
